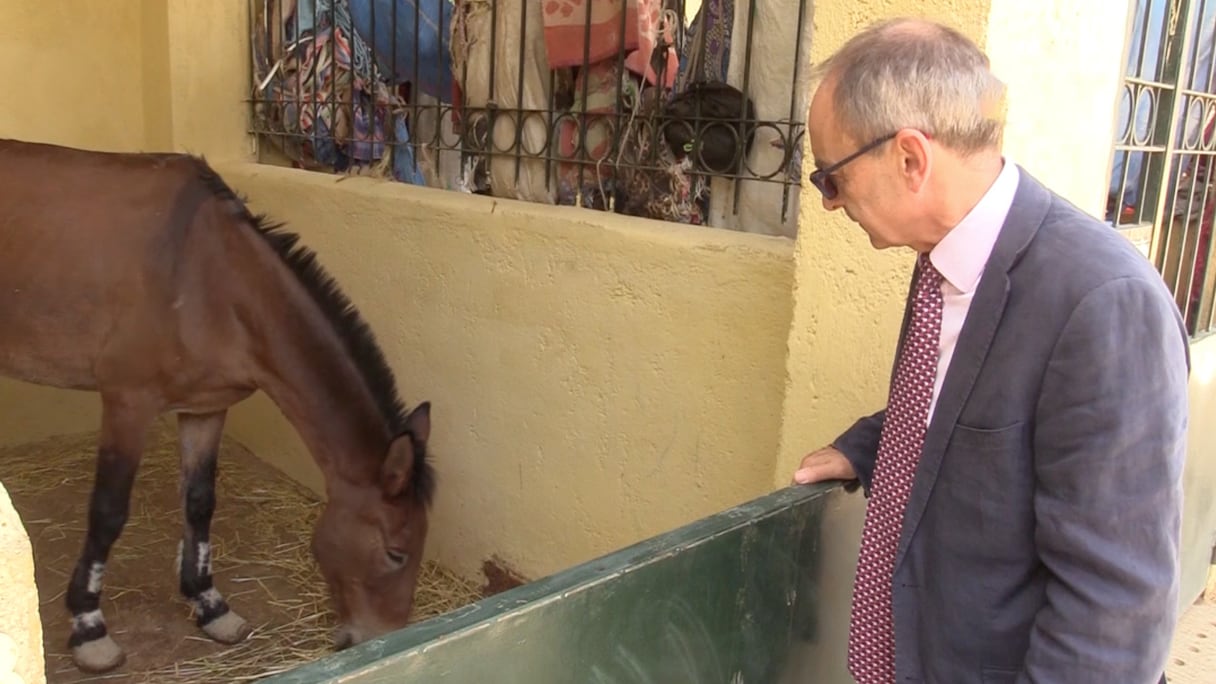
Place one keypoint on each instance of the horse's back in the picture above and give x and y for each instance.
(40, 176)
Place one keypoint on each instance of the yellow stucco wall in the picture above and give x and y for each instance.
(127, 74)
(72, 72)
(595, 379)
(208, 56)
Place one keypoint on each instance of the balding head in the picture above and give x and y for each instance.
(913, 73)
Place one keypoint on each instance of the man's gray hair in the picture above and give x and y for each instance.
(911, 73)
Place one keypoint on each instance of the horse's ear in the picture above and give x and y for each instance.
(399, 463)
(418, 423)
(398, 467)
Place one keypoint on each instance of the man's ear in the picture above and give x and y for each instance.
(916, 157)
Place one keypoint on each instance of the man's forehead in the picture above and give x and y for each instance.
(821, 125)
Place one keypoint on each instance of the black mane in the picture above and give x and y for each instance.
(342, 315)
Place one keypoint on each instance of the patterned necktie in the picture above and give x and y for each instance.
(871, 630)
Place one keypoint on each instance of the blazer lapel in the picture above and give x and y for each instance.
(1026, 214)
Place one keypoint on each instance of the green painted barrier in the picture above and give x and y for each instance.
(726, 599)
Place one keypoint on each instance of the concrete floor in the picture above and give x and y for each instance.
(1193, 655)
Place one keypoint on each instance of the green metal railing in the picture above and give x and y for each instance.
(733, 597)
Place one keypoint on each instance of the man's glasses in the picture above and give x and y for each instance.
(822, 178)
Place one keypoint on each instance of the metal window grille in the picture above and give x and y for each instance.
(1162, 189)
(615, 105)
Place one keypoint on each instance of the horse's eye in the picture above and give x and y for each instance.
(396, 557)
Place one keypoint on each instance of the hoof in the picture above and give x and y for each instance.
(228, 628)
(98, 655)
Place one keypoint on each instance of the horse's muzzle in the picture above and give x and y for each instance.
(344, 638)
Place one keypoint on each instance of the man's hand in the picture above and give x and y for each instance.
(825, 464)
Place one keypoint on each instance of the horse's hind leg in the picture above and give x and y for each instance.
(200, 441)
(123, 431)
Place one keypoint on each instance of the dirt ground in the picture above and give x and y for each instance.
(260, 559)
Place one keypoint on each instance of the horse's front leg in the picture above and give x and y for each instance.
(123, 428)
(199, 437)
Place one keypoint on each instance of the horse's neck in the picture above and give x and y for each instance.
(304, 367)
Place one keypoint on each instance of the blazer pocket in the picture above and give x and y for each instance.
(988, 440)
(985, 489)
(992, 465)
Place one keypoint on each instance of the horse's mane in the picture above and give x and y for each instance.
(342, 315)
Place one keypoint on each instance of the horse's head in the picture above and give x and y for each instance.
(369, 540)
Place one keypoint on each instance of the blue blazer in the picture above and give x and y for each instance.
(1040, 542)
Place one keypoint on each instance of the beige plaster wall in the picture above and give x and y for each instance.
(1199, 478)
(29, 412)
(72, 72)
(209, 77)
(1063, 62)
(595, 379)
(21, 660)
(127, 74)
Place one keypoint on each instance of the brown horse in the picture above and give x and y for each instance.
(144, 278)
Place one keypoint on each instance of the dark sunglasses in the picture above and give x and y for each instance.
(822, 178)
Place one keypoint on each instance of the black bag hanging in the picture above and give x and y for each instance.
(710, 121)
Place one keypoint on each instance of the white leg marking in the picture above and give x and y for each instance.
(177, 564)
(208, 599)
(96, 572)
(87, 620)
(204, 559)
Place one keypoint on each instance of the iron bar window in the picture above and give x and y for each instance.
(644, 107)
(1163, 186)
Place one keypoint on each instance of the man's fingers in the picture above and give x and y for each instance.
(824, 464)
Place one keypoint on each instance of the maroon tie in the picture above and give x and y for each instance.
(871, 630)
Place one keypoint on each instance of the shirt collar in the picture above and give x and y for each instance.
(961, 256)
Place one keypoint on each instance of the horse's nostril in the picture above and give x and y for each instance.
(343, 640)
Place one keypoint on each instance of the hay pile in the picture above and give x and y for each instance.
(260, 535)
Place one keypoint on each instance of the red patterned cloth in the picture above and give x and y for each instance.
(568, 42)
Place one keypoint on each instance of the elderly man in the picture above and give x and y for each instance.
(1024, 478)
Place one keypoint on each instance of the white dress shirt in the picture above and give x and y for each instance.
(961, 256)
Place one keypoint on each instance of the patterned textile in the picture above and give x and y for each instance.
(420, 46)
(706, 55)
(325, 92)
(871, 630)
(568, 33)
